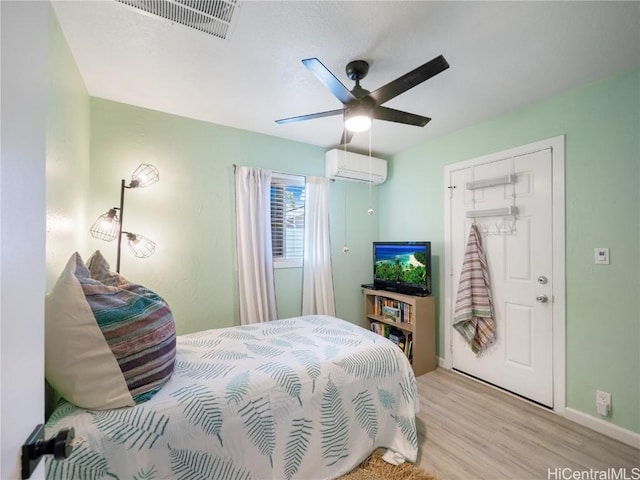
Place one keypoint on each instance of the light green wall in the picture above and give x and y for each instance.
(602, 127)
(353, 268)
(67, 163)
(67, 156)
(190, 212)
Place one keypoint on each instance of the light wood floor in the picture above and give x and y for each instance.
(469, 430)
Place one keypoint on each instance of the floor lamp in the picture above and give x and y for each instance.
(108, 226)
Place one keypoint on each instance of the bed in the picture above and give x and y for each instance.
(302, 398)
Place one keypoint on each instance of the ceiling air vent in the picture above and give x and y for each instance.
(215, 17)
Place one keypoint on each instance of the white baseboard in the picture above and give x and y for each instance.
(606, 428)
(440, 362)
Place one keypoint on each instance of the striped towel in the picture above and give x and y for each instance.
(473, 315)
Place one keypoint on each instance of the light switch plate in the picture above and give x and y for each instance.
(601, 256)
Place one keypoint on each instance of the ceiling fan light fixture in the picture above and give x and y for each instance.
(358, 123)
(361, 105)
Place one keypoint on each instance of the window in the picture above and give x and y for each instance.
(287, 220)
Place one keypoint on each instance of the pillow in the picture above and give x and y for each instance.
(138, 326)
(107, 345)
(101, 271)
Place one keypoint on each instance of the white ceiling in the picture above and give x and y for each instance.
(503, 55)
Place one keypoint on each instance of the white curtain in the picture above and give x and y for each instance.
(253, 236)
(317, 283)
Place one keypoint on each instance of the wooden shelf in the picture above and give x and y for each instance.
(407, 327)
(422, 329)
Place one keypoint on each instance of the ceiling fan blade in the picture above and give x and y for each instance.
(392, 115)
(346, 137)
(409, 80)
(311, 116)
(329, 79)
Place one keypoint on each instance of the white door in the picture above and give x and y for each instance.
(24, 44)
(520, 263)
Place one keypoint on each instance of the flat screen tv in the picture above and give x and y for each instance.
(403, 267)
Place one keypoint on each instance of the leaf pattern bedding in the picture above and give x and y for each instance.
(302, 398)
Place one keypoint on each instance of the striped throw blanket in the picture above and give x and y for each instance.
(473, 315)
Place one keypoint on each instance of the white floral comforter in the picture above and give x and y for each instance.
(301, 398)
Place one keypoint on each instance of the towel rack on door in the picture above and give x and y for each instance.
(510, 211)
(507, 226)
(492, 182)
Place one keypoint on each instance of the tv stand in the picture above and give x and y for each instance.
(419, 325)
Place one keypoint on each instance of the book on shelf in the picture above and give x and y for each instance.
(407, 313)
(408, 347)
(391, 313)
(380, 328)
(375, 327)
(393, 310)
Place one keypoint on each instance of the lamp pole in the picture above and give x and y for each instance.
(120, 227)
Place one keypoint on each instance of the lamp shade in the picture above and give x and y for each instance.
(106, 227)
(145, 175)
(358, 123)
(141, 246)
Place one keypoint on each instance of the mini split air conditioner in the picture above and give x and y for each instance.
(341, 165)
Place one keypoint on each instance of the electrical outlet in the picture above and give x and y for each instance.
(603, 403)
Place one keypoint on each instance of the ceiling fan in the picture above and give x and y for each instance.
(362, 102)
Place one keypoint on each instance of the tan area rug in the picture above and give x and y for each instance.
(374, 468)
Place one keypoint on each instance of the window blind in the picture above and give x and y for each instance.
(287, 220)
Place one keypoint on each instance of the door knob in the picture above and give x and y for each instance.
(542, 298)
(36, 446)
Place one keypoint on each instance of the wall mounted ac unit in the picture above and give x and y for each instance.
(341, 165)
